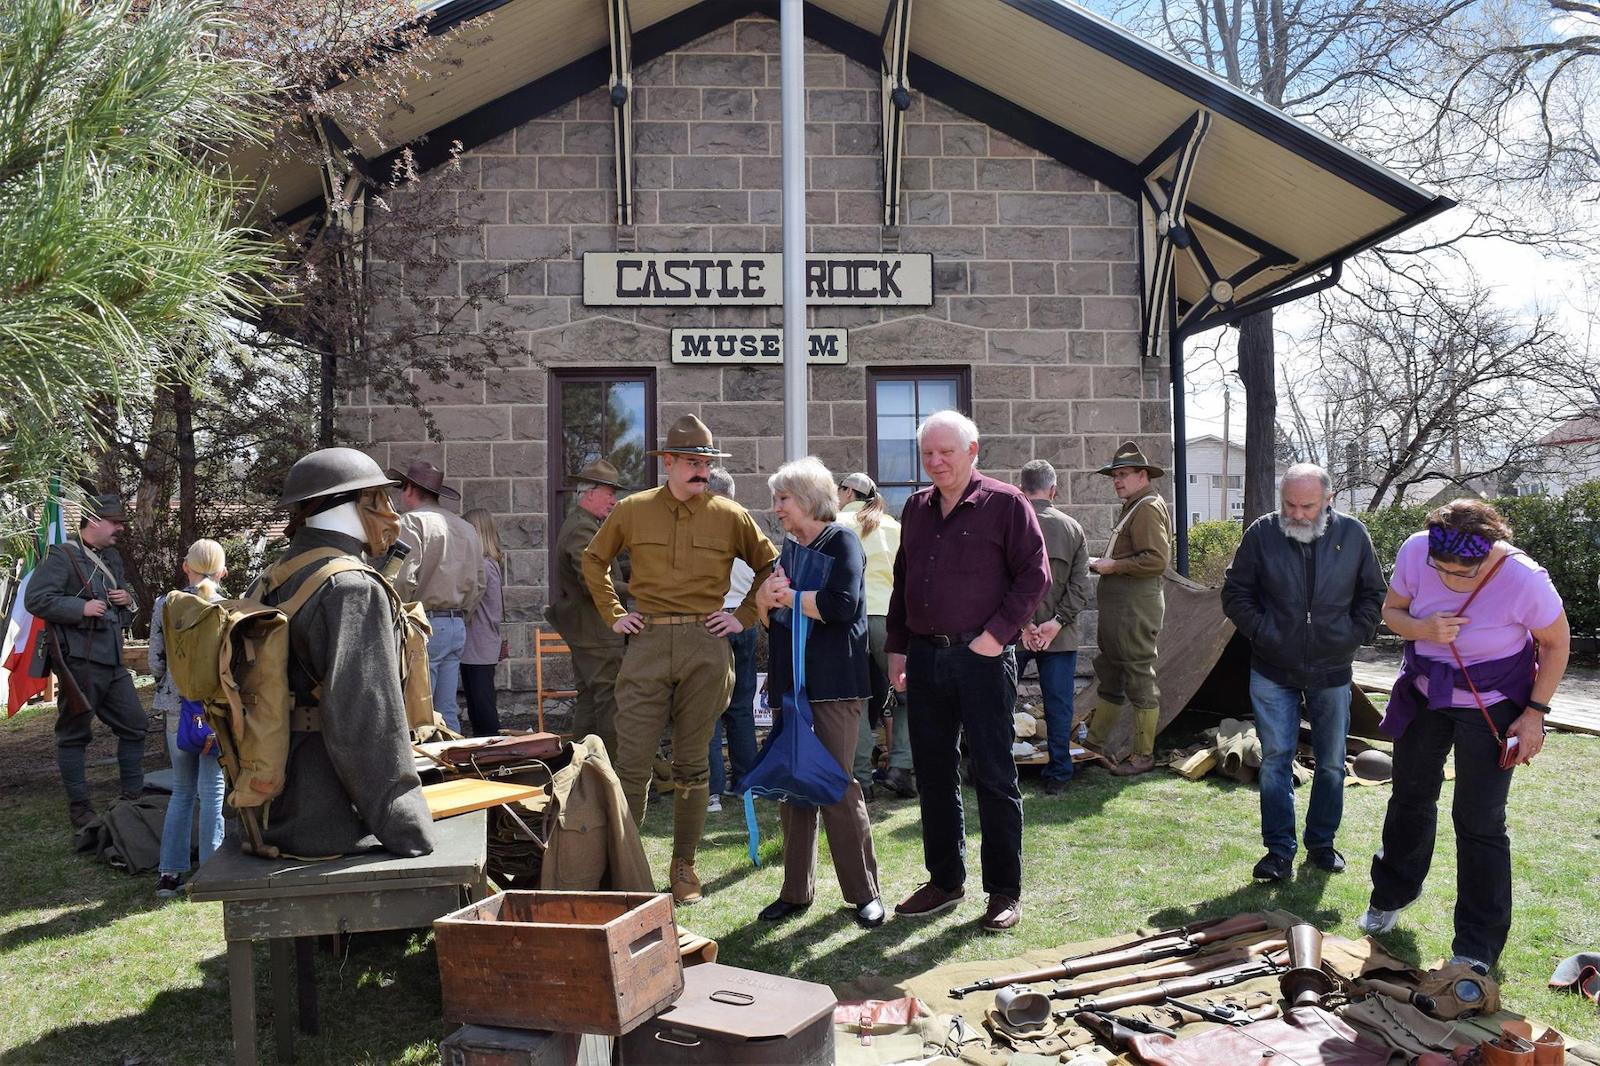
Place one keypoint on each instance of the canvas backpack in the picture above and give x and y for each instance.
(233, 656)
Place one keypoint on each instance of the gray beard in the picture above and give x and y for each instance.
(1304, 532)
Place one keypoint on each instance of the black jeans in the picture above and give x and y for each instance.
(952, 691)
(1483, 850)
(482, 710)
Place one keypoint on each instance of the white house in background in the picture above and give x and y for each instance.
(1570, 455)
(1209, 499)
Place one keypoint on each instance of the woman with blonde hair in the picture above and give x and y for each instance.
(835, 673)
(195, 775)
(481, 652)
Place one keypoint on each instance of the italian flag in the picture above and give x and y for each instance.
(22, 630)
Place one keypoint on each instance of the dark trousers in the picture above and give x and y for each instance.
(739, 720)
(477, 680)
(1483, 850)
(953, 691)
(109, 690)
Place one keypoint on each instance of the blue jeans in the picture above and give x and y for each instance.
(1058, 681)
(739, 718)
(445, 644)
(193, 777)
(1277, 710)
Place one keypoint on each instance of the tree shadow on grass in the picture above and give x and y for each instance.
(375, 1003)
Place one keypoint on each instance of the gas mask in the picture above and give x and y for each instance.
(379, 520)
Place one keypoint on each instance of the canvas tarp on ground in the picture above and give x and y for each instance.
(1205, 663)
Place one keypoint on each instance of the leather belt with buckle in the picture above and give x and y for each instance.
(444, 614)
(674, 619)
(950, 640)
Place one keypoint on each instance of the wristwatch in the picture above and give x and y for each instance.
(1535, 705)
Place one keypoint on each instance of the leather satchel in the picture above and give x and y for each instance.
(1305, 1034)
(503, 751)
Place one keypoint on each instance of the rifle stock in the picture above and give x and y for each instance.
(1179, 968)
(72, 702)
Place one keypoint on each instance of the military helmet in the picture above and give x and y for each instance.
(331, 471)
(1373, 765)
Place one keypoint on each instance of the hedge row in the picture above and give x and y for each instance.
(1561, 532)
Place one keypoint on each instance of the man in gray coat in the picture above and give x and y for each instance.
(1050, 639)
(1306, 589)
(349, 784)
(79, 591)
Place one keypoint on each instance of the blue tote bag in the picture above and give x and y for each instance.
(793, 765)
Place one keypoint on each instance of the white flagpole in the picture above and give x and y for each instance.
(796, 443)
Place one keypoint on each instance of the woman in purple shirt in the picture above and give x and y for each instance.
(1510, 644)
(481, 652)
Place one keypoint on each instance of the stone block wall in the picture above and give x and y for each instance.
(1035, 287)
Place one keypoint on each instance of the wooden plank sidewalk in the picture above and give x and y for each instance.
(1570, 714)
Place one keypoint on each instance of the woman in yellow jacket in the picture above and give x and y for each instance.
(861, 509)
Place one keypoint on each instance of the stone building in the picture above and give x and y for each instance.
(1044, 258)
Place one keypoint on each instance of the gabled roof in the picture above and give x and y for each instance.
(1047, 72)
(1585, 429)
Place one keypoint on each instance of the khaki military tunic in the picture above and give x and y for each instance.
(596, 647)
(1132, 609)
(674, 671)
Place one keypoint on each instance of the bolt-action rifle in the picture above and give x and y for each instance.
(1186, 967)
(1165, 991)
(1169, 944)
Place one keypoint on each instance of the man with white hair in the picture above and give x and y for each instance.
(1306, 590)
(970, 570)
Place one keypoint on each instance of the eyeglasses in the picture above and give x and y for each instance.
(1461, 575)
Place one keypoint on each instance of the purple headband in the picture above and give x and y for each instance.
(1443, 540)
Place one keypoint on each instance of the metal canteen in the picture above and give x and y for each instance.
(1023, 1007)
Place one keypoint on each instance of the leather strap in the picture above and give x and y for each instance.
(305, 720)
(1476, 695)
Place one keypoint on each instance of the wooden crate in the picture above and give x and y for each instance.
(579, 962)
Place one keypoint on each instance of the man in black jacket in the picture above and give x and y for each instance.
(1306, 589)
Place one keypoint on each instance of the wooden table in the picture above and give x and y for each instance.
(286, 902)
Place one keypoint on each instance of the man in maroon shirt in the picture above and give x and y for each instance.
(970, 571)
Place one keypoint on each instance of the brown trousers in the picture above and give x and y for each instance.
(595, 710)
(849, 829)
(678, 675)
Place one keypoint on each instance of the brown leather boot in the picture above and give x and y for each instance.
(1133, 766)
(685, 882)
(80, 813)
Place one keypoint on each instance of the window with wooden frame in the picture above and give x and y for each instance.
(898, 399)
(598, 414)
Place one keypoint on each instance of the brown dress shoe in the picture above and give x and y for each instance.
(685, 882)
(929, 899)
(1002, 913)
(1133, 766)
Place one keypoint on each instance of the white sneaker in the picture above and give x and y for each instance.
(1478, 965)
(1377, 922)
(714, 805)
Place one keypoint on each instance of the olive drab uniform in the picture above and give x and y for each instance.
(350, 783)
(596, 647)
(70, 576)
(1132, 609)
(674, 671)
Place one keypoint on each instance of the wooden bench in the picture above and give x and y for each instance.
(547, 642)
(286, 902)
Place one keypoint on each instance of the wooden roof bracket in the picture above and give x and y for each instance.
(895, 52)
(1165, 175)
(347, 177)
(620, 29)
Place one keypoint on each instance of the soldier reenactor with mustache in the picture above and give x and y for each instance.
(678, 667)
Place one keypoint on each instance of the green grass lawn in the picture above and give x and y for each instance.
(95, 971)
